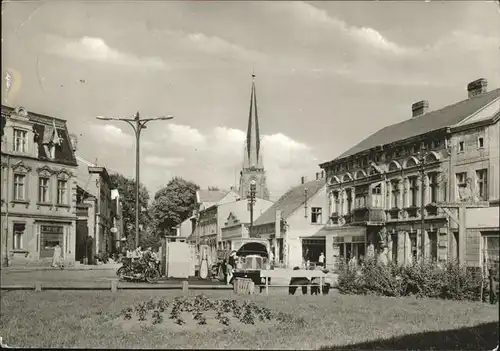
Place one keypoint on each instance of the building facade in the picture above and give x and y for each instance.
(393, 193)
(38, 188)
(293, 223)
(234, 219)
(95, 191)
(253, 165)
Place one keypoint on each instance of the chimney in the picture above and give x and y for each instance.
(74, 142)
(317, 175)
(419, 108)
(477, 87)
(303, 180)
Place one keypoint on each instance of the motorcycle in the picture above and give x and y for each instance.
(142, 271)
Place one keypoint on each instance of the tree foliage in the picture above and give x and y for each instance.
(126, 188)
(173, 204)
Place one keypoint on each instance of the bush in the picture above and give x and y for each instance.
(421, 279)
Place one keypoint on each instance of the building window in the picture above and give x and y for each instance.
(335, 202)
(360, 197)
(43, 190)
(18, 232)
(433, 241)
(436, 143)
(480, 142)
(413, 191)
(490, 248)
(461, 146)
(316, 215)
(349, 200)
(433, 185)
(395, 194)
(482, 184)
(20, 140)
(19, 187)
(62, 188)
(377, 196)
(461, 183)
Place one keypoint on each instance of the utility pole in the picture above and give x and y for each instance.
(251, 202)
(137, 125)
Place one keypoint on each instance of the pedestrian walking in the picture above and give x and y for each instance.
(56, 259)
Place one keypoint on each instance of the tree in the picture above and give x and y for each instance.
(126, 188)
(173, 204)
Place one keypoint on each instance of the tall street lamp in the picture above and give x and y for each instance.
(137, 125)
(251, 201)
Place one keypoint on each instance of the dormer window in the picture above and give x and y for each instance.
(20, 140)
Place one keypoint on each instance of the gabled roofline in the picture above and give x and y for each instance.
(482, 123)
(294, 211)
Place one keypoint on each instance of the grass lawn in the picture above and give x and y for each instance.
(89, 320)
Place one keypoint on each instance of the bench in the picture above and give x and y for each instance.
(309, 274)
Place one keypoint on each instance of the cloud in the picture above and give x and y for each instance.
(219, 156)
(112, 134)
(216, 46)
(184, 135)
(164, 161)
(313, 16)
(96, 49)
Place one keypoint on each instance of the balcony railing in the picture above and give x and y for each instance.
(368, 215)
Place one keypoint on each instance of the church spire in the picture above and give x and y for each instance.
(252, 148)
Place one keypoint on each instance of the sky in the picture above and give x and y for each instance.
(328, 74)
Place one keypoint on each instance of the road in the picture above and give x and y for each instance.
(96, 277)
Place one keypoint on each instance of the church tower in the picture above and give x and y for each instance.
(253, 166)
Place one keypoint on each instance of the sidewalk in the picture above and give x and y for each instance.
(77, 267)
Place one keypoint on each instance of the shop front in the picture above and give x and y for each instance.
(312, 247)
(344, 244)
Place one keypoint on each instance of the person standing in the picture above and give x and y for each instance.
(231, 264)
(322, 260)
(271, 258)
(56, 259)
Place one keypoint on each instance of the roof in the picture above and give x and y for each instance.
(212, 196)
(43, 126)
(290, 201)
(433, 120)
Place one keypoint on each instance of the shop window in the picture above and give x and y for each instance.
(18, 232)
(50, 236)
(490, 247)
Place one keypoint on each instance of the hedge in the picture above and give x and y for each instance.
(421, 279)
